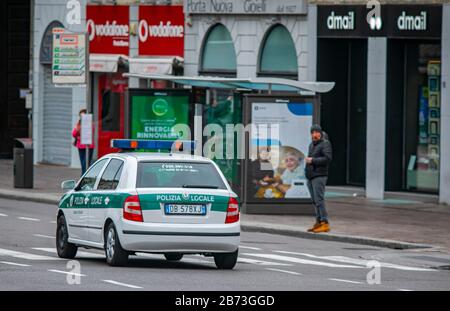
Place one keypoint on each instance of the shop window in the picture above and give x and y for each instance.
(278, 56)
(423, 163)
(218, 54)
(111, 111)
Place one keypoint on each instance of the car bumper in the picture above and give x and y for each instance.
(184, 238)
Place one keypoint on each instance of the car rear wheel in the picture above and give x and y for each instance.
(115, 254)
(226, 260)
(63, 247)
(173, 256)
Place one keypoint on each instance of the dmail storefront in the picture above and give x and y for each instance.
(412, 61)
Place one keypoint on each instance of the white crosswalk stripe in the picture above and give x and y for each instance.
(44, 236)
(23, 255)
(28, 218)
(261, 262)
(66, 272)
(345, 281)
(122, 284)
(14, 264)
(360, 262)
(301, 261)
(3, 215)
(80, 254)
(249, 247)
(284, 271)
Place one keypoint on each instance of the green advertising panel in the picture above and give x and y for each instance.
(154, 115)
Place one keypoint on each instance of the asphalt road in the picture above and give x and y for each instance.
(28, 261)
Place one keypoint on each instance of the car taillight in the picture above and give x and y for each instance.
(232, 211)
(132, 209)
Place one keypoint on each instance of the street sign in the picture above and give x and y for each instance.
(69, 58)
(86, 129)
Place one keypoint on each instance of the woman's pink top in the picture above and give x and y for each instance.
(76, 134)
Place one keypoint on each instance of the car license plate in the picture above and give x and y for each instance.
(185, 209)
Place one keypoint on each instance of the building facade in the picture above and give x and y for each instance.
(122, 38)
(388, 114)
(240, 38)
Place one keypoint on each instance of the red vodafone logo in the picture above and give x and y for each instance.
(161, 31)
(108, 29)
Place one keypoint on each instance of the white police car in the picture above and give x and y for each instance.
(171, 204)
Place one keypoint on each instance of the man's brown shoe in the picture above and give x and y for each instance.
(316, 225)
(323, 227)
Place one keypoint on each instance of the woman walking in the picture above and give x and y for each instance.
(76, 133)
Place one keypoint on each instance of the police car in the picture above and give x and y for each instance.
(164, 203)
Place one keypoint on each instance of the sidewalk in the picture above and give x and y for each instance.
(400, 221)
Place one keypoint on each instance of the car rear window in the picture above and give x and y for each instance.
(178, 175)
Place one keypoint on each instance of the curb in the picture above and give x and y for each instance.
(299, 233)
(31, 197)
(250, 226)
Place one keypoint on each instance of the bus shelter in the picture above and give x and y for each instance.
(255, 129)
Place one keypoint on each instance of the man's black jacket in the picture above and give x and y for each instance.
(321, 153)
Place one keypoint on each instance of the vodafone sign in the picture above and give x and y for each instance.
(161, 30)
(108, 27)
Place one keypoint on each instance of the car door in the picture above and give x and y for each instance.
(104, 197)
(79, 213)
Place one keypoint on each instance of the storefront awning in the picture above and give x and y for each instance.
(154, 65)
(106, 62)
(264, 84)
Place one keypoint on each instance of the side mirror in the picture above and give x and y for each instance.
(68, 185)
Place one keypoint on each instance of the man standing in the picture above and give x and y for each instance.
(316, 171)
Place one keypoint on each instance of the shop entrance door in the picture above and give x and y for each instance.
(111, 99)
(344, 109)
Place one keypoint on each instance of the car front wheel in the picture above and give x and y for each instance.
(63, 247)
(226, 260)
(115, 254)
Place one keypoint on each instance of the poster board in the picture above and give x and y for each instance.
(274, 169)
(152, 114)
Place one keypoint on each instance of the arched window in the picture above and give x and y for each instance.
(218, 55)
(278, 56)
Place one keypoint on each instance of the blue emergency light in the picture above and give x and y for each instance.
(153, 145)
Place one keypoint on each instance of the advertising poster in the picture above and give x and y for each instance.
(276, 169)
(225, 109)
(154, 116)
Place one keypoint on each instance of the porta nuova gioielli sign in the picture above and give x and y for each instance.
(245, 7)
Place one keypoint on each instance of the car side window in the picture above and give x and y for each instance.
(88, 181)
(111, 176)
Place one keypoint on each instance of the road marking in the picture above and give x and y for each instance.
(262, 262)
(80, 254)
(121, 284)
(66, 272)
(345, 281)
(284, 271)
(28, 218)
(302, 261)
(44, 236)
(250, 247)
(360, 262)
(14, 264)
(28, 256)
(405, 290)
(52, 222)
(3, 215)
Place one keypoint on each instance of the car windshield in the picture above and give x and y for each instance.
(178, 175)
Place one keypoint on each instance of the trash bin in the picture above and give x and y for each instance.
(23, 163)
